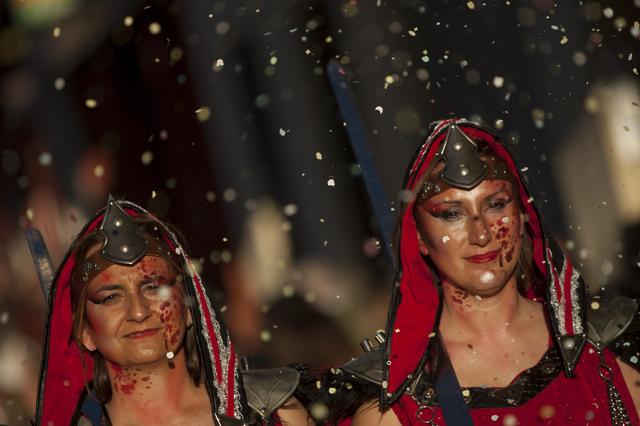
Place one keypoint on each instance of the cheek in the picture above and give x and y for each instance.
(171, 314)
(506, 231)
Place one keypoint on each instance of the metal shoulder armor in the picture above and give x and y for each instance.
(268, 389)
(367, 367)
(614, 323)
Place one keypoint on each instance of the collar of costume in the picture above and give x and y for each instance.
(62, 375)
(415, 302)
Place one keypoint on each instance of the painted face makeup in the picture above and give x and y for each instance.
(472, 237)
(135, 315)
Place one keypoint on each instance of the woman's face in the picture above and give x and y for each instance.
(473, 237)
(135, 314)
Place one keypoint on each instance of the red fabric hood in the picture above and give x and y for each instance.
(415, 299)
(62, 378)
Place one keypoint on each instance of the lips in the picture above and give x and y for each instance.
(142, 333)
(484, 257)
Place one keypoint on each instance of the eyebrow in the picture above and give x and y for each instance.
(109, 287)
(458, 203)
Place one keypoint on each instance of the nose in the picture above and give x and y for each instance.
(479, 232)
(138, 308)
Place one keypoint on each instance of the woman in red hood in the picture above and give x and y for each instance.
(132, 337)
(489, 322)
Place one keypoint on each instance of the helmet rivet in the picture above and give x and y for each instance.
(124, 248)
(117, 223)
(464, 171)
(457, 146)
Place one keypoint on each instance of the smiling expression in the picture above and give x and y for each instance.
(135, 314)
(473, 237)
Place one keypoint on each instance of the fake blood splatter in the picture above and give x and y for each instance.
(124, 379)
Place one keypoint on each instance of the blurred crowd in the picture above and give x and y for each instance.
(218, 116)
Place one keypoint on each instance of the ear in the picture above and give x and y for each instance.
(421, 246)
(87, 340)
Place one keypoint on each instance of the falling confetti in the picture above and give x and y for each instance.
(4, 318)
(155, 28)
(45, 159)
(91, 103)
(59, 83)
(265, 336)
(203, 114)
(471, 5)
(498, 81)
(379, 109)
(98, 170)
(128, 21)
(282, 132)
(318, 155)
(290, 209)
(564, 39)
(445, 239)
(331, 182)
(146, 158)
(56, 32)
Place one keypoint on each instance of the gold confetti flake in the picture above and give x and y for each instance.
(564, 39)
(146, 158)
(91, 103)
(56, 32)
(98, 170)
(155, 28)
(203, 114)
(471, 5)
(128, 21)
(318, 155)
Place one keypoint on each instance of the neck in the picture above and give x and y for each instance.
(470, 314)
(149, 391)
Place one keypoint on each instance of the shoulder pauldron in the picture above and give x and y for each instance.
(367, 367)
(614, 323)
(268, 389)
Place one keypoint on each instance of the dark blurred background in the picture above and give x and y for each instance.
(218, 116)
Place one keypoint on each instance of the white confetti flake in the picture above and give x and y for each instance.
(153, 194)
(218, 65)
(445, 239)
(608, 13)
(128, 21)
(59, 83)
(45, 159)
(498, 81)
(379, 109)
(471, 5)
(495, 417)
(318, 155)
(91, 103)
(290, 209)
(282, 132)
(331, 182)
(56, 32)
(4, 318)
(564, 39)
(29, 213)
(499, 123)
(505, 219)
